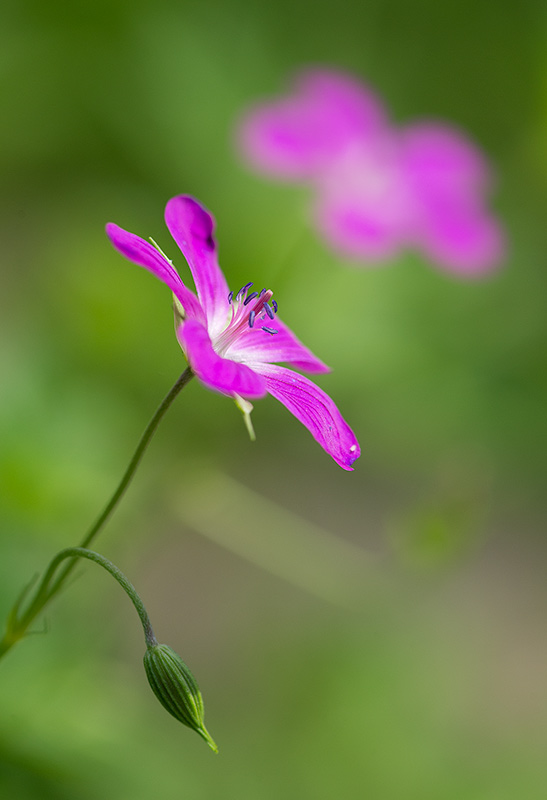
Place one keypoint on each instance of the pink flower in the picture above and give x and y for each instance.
(376, 189)
(231, 341)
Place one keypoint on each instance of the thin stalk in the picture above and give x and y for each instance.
(129, 473)
(81, 552)
(18, 624)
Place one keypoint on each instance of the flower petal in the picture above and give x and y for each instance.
(358, 230)
(145, 255)
(462, 238)
(362, 205)
(437, 160)
(315, 410)
(447, 177)
(220, 374)
(256, 345)
(192, 227)
(297, 136)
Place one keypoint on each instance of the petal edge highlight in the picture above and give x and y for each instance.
(314, 409)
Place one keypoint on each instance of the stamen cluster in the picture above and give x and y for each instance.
(233, 342)
(246, 309)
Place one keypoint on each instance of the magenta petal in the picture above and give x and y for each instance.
(362, 204)
(145, 255)
(438, 160)
(447, 176)
(220, 374)
(462, 239)
(357, 229)
(192, 227)
(299, 135)
(315, 410)
(256, 345)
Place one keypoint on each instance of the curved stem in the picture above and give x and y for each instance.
(127, 586)
(17, 625)
(128, 475)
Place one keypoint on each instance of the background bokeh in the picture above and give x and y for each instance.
(377, 634)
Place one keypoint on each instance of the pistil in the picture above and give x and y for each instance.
(245, 309)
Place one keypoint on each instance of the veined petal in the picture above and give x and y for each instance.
(297, 136)
(256, 345)
(145, 255)
(315, 410)
(192, 227)
(220, 374)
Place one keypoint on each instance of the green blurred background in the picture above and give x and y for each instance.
(375, 634)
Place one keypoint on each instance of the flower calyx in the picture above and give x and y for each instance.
(176, 689)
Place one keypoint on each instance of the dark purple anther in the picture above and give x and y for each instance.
(274, 304)
(269, 330)
(230, 297)
(252, 315)
(251, 297)
(243, 290)
(261, 292)
(268, 310)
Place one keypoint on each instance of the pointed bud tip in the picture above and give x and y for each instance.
(204, 733)
(176, 689)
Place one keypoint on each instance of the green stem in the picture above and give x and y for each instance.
(128, 475)
(127, 586)
(17, 625)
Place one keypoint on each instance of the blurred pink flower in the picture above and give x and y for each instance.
(231, 340)
(377, 189)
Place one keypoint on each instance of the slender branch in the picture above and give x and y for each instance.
(127, 586)
(129, 473)
(18, 624)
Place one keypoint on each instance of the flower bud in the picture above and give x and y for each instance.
(176, 688)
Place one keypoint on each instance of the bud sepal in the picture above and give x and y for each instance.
(176, 688)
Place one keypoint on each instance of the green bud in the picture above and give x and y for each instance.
(176, 688)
